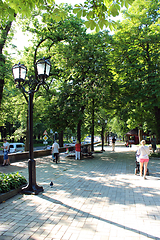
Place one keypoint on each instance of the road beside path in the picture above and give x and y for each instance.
(96, 199)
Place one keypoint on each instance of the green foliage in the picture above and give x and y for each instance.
(81, 71)
(85, 75)
(119, 73)
(136, 46)
(25, 8)
(39, 142)
(99, 13)
(11, 181)
(155, 154)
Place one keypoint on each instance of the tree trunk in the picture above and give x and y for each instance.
(3, 37)
(108, 138)
(102, 137)
(157, 123)
(140, 134)
(61, 139)
(79, 131)
(27, 135)
(2, 64)
(79, 125)
(105, 138)
(92, 127)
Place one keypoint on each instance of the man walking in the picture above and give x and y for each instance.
(113, 143)
(55, 150)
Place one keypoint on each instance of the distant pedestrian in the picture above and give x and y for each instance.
(6, 151)
(78, 150)
(55, 150)
(143, 153)
(113, 143)
(153, 142)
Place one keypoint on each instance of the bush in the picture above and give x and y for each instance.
(11, 181)
(155, 154)
(40, 141)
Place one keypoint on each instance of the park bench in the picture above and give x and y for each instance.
(85, 151)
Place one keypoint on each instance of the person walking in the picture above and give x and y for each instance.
(143, 153)
(113, 143)
(6, 151)
(55, 150)
(78, 150)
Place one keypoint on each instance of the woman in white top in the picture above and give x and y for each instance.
(143, 151)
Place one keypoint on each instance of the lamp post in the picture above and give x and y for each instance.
(19, 73)
(102, 132)
(55, 136)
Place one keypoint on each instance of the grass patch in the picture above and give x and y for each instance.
(11, 181)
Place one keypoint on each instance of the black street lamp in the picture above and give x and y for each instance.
(102, 132)
(19, 73)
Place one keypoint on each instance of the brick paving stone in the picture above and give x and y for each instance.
(17, 229)
(98, 199)
(6, 238)
(9, 234)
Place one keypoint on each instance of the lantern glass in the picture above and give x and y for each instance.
(48, 67)
(19, 72)
(23, 73)
(16, 73)
(40, 67)
(43, 67)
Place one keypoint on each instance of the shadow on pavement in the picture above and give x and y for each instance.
(83, 213)
(14, 167)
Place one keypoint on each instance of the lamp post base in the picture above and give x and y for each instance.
(32, 189)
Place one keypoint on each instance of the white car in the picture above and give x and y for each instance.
(16, 147)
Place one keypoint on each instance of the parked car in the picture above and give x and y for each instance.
(48, 147)
(16, 147)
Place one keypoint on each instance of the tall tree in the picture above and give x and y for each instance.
(89, 74)
(8, 13)
(97, 13)
(137, 61)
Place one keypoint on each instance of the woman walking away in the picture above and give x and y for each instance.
(143, 151)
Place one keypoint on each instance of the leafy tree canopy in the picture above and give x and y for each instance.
(136, 53)
(99, 13)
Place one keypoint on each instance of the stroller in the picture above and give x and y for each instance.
(137, 168)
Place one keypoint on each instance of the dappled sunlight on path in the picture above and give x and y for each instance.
(98, 198)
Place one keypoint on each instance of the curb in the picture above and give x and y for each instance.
(10, 194)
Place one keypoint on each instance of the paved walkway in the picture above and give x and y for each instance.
(97, 199)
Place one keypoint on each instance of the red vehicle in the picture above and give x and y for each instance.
(132, 137)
